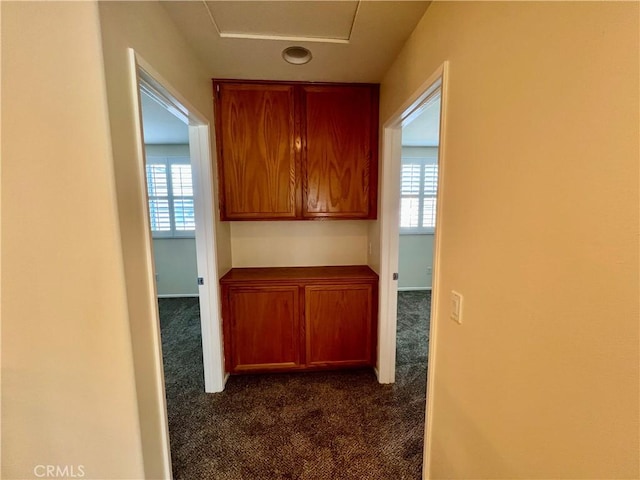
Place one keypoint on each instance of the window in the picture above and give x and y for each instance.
(418, 188)
(170, 190)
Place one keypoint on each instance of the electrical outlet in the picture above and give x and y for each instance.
(429, 270)
(456, 306)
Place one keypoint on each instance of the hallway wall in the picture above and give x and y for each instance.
(68, 391)
(540, 234)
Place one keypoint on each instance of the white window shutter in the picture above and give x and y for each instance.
(170, 190)
(418, 190)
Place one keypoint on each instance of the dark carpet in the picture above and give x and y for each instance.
(316, 426)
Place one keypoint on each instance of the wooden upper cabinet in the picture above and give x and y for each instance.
(256, 135)
(296, 150)
(340, 161)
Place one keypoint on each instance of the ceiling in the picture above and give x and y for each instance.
(350, 40)
(424, 129)
(159, 125)
(331, 21)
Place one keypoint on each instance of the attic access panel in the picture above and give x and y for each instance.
(322, 20)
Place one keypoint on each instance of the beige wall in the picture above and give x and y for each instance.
(299, 243)
(68, 391)
(145, 26)
(539, 233)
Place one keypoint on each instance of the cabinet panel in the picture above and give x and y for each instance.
(256, 133)
(338, 324)
(299, 318)
(264, 330)
(339, 177)
(294, 150)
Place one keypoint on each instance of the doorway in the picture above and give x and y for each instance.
(170, 201)
(390, 215)
(418, 201)
(188, 170)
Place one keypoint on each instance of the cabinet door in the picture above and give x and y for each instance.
(256, 131)
(338, 324)
(340, 161)
(264, 328)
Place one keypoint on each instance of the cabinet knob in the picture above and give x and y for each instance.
(298, 144)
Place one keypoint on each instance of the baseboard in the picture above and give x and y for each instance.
(179, 295)
(413, 289)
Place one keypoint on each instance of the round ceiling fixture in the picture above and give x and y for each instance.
(296, 55)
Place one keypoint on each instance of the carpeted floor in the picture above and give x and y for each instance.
(316, 426)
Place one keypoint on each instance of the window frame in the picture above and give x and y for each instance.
(423, 161)
(168, 161)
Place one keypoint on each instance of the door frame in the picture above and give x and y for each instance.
(389, 236)
(200, 154)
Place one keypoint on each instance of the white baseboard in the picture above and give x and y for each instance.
(413, 289)
(179, 295)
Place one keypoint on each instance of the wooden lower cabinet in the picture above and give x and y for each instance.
(265, 327)
(338, 324)
(299, 318)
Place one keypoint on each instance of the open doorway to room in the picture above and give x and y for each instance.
(175, 166)
(178, 179)
(412, 197)
(418, 193)
(170, 193)
(171, 204)
(418, 190)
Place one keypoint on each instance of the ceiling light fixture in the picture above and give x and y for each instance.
(296, 55)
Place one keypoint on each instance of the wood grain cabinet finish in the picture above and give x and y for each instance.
(264, 325)
(338, 324)
(340, 164)
(291, 150)
(256, 150)
(299, 318)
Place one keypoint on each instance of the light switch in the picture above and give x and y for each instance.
(456, 306)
